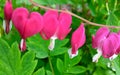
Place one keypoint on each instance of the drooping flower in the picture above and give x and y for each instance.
(97, 41)
(56, 26)
(78, 39)
(106, 43)
(110, 45)
(27, 24)
(8, 10)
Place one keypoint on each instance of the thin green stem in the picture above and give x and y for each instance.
(49, 58)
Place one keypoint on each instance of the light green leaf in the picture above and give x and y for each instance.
(38, 49)
(58, 51)
(77, 69)
(39, 46)
(40, 71)
(112, 19)
(60, 65)
(11, 62)
(71, 62)
(116, 65)
(48, 72)
(28, 58)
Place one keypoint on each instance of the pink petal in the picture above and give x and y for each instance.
(19, 19)
(65, 21)
(110, 45)
(34, 24)
(62, 33)
(118, 50)
(101, 34)
(27, 24)
(8, 10)
(93, 42)
(50, 24)
(78, 38)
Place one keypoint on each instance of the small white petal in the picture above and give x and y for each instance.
(70, 53)
(21, 43)
(4, 25)
(10, 26)
(108, 65)
(97, 56)
(113, 57)
(52, 43)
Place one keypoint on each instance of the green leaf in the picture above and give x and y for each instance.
(116, 65)
(11, 62)
(58, 51)
(48, 72)
(92, 7)
(26, 2)
(39, 46)
(61, 43)
(71, 62)
(38, 49)
(112, 5)
(28, 58)
(59, 47)
(42, 2)
(60, 65)
(40, 71)
(77, 69)
(112, 19)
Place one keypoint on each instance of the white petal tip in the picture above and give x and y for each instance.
(72, 55)
(10, 25)
(52, 43)
(97, 56)
(4, 25)
(113, 57)
(50, 48)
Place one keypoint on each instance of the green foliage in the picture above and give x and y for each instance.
(12, 63)
(41, 71)
(36, 59)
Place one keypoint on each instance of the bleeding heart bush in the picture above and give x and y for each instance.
(59, 41)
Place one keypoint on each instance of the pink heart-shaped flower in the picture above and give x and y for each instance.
(8, 10)
(78, 38)
(110, 45)
(27, 23)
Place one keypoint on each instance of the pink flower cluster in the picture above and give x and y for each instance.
(107, 44)
(52, 25)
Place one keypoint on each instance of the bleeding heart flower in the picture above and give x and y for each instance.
(97, 41)
(110, 45)
(27, 24)
(78, 39)
(55, 26)
(8, 10)
(101, 34)
(106, 44)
